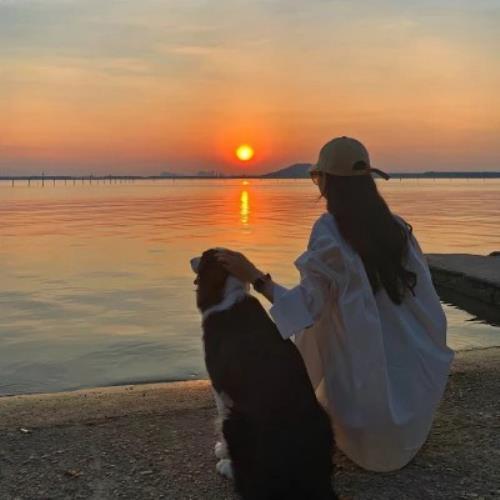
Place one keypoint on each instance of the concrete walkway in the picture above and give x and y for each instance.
(475, 276)
(155, 441)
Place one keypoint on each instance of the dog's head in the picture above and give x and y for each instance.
(210, 279)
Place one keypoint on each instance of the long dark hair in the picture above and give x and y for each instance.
(366, 223)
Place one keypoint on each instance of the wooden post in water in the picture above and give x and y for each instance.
(43, 179)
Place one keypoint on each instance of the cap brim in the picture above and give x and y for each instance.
(379, 172)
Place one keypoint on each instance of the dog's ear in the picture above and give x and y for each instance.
(195, 264)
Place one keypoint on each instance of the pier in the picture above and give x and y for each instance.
(475, 277)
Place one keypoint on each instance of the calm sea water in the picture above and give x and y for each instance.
(96, 287)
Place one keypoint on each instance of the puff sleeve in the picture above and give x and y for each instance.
(322, 271)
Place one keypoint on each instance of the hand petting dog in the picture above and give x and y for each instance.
(238, 265)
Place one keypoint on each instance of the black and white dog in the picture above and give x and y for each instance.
(277, 439)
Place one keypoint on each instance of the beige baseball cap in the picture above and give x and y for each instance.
(345, 156)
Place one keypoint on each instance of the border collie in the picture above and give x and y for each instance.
(277, 439)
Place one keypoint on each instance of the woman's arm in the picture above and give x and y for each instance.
(322, 271)
(293, 309)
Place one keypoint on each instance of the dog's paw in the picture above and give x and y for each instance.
(220, 450)
(225, 468)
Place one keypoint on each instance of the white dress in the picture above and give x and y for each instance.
(379, 368)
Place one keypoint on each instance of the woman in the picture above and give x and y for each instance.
(365, 316)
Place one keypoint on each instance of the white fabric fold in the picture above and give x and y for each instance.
(290, 310)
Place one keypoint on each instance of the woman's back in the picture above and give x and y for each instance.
(379, 367)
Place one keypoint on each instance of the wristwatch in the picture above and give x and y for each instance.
(260, 282)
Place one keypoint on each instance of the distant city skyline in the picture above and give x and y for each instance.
(126, 87)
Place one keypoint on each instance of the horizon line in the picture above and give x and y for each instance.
(269, 175)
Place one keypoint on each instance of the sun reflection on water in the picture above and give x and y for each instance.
(244, 207)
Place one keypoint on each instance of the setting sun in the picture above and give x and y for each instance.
(244, 152)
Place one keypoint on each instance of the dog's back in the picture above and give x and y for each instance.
(279, 437)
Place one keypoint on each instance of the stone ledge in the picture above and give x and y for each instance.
(475, 276)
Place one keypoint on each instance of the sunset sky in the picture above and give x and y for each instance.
(144, 86)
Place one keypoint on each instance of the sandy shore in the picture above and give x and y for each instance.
(155, 441)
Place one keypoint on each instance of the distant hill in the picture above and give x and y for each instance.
(295, 171)
(301, 171)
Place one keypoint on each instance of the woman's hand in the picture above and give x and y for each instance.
(238, 265)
